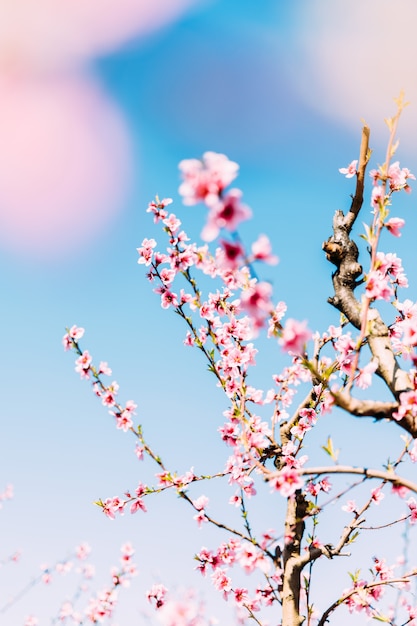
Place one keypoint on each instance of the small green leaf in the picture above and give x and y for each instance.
(329, 449)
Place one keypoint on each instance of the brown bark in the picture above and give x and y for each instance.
(342, 251)
(294, 530)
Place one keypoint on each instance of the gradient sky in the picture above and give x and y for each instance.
(90, 133)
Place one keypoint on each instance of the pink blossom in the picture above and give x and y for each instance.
(104, 369)
(82, 551)
(287, 482)
(31, 620)
(303, 425)
(221, 582)
(226, 213)
(377, 287)
(276, 315)
(256, 300)
(112, 506)
(325, 485)
(204, 180)
(168, 298)
(236, 500)
(158, 209)
(146, 251)
(377, 197)
(73, 335)
(167, 276)
(262, 250)
(137, 505)
(172, 223)
(364, 379)
(251, 558)
(82, 364)
(349, 507)
(399, 490)
(412, 505)
(350, 170)
(123, 420)
(241, 596)
(200, 503)
(157, 594)
(200, 518)
(377, 495)
(234, 254)
(398, 177)
(408, 405)
(394, 224)
(294, 336)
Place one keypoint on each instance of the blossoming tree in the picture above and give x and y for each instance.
(268, 434)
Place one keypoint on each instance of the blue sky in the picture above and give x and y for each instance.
(232, 76)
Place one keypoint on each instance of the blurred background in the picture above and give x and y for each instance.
(99, 101)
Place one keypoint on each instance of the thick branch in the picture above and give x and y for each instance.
(294, 530)
(377, 409)
(387, 475)
(342, 251)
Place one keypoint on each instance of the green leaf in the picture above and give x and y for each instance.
(329, 449)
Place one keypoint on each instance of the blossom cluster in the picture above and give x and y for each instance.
(107, 393)
(266, 431)
(98, 606)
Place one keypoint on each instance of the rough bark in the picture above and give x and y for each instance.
(343, 252)
(294, 530)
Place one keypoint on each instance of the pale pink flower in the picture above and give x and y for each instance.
(350, 506)
(350, 170)
(377, 197)
(394, 224)
(123, 420)
(74, 334)
(287, 482)
(200, 518)
(204, 180)
(167, 276)
(104, 369)
(398, 177)
(400, 490)
(201, 503)
(221, 582)
(408, 405)
(226, 213)
(168, 298)
(146, 251)
(235, 500)
(377, 286)
(158, 209)
(412, 505)
(137, 505)
(325, 485)
(294, 336)
(262, 250)
(256, 301)
(82, 364)
(364, 379)
(31, 620)
(82, 551)
(233, 254)
(377, 495)
(241, 596)
(172, 223)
